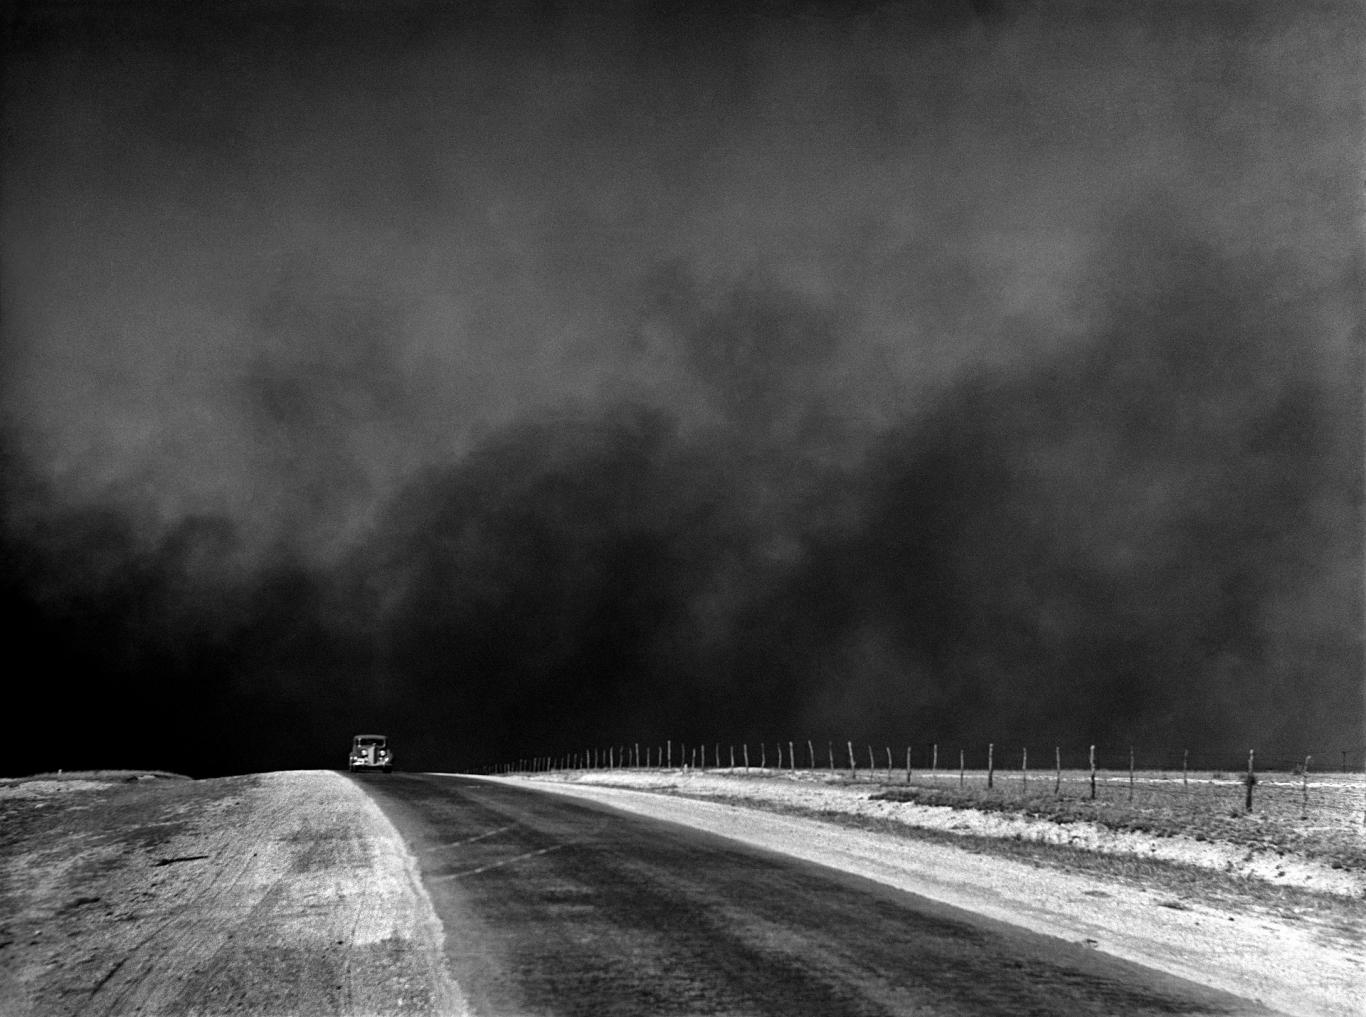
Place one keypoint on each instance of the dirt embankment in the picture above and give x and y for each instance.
(269, 894)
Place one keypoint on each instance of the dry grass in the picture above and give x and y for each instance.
(1322, 821)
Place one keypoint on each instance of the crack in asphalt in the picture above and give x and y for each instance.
(504, 862)
(471, 840)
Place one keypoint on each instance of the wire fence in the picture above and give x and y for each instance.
(1325, 787)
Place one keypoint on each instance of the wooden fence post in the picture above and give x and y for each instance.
(1185, 767)
(811, 750)
(991, 763)
(1024, 768)
(908, 764)
(1251, 778)
(872, 765)
(780, 755)
(745, 749)
(670, 743)
(962, 767)
(1304, 812)
(1057, 762)
(830, 755)
(732, 757)
(1093, 773)
(934, 759)
(853, 766)
(791, 757)
(763, 756)
(1131, 773)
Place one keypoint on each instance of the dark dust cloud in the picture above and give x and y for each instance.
(526, 378)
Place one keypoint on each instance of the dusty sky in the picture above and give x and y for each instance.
(528, 378)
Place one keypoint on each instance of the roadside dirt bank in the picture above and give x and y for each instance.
(280, 893)
(1296, 967)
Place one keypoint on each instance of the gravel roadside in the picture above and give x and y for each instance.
(259, 895)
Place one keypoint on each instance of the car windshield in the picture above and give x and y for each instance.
(370, 741)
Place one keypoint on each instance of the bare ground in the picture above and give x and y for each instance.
(283, 893)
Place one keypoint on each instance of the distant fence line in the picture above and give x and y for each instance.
(854, 759)
(1014, 770)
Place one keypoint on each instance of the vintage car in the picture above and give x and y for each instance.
(370, 752)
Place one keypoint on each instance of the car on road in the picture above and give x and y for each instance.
(370, 752)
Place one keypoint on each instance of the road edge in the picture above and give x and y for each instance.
(428, 930)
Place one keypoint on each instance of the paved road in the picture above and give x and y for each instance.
(556, 907)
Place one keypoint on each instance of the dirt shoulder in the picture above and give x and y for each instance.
(1299, 961)
(266, 894)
